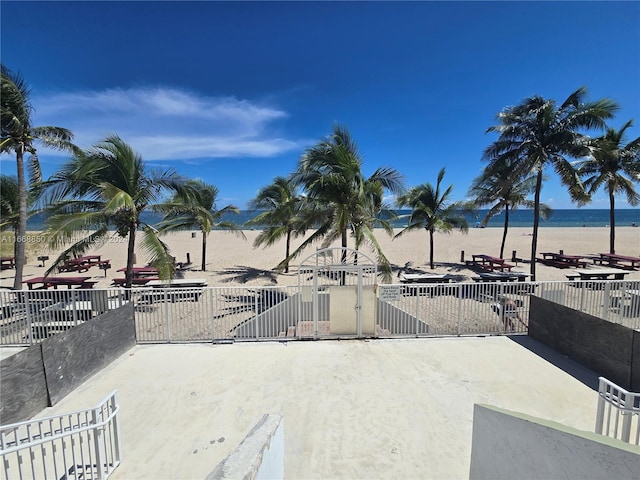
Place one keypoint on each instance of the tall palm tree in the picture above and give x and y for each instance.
(107, 187)
(281, 215)
(432, 210)
(536, 134)
(616, 167)
(344, 199)
(19, 136)
(195, 207)
(500, 188)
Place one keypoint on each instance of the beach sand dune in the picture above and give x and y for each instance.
(234, 261)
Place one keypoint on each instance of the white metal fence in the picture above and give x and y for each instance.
(618, 413)
(28, 316)
(79, 445)
(219, 314)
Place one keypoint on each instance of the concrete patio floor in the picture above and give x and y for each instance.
(352, 409)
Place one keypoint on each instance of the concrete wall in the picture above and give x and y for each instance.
(508, 445)
(43, 374)
(607, 348)
(23, 386)
(259, 456)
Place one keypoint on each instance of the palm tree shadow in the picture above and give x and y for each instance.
(244, 274)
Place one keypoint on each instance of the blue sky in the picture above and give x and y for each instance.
(233, 92)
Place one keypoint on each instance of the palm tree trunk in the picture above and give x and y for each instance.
(130, 253)
(612, 222)
(506, 227)
(21, 233)
(288, 248)
(431, 249)
(204, 250)
(536, 222)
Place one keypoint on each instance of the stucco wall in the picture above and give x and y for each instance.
(508, 445)
(604, 347)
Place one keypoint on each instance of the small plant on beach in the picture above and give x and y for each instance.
(537, 133)
(341, 199)
(107, 187)
(616, 167)
(281, 207)
(19, 136)
(432, 210)
(194, 206)
(499, 187)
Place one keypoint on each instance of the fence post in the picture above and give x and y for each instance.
(255, 317)
(601, 404)
(98, 440)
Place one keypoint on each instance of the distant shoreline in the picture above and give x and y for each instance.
(565, 218)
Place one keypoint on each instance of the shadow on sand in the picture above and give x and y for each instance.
(452, 269)
(573, 368)
(243, 274)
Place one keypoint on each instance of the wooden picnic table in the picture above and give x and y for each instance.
(7, 262)
(613, 259)
(561, 260)
(501, 277)
(80, 282)
(598, 274)
(74, 265)
(490, 264)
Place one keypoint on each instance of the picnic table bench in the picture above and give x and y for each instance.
(120, 282)
(147, 271)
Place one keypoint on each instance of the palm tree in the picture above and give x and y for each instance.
(19, 136)
(342, 199)
(106, 187)
(10, 206)
(281, 214)
(537, 133)
(614, 166)
(504, 191)
(432, 210)
(195, 207)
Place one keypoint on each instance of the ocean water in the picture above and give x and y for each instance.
(518, 218)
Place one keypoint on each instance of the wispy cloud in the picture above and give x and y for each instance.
(167, 123)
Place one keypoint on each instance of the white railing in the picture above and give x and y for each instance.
(79, 445)
(618, 413)
(29, 316)
(219, 314)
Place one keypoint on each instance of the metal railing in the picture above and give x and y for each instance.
(29, 316)
(219, 314)
(79, 445)
(618, 413)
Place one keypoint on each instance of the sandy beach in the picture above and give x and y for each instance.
(234, 261)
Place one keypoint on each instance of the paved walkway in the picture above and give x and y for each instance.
(352, 409)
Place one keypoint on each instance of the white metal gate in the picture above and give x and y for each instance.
(337, 294)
